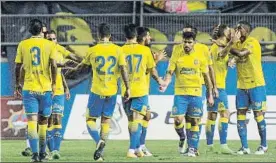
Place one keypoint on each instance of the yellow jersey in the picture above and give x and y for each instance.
(188, 70)
(62, 53)
(35, 53)
(249, 68)
(207, 56)
(220, 66)
(139, 59)
(62, 50)
(105, 59)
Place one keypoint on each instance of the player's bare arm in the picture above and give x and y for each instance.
(235, 36)
(213, 80)
(223, 53)
(167, 80)
(75, 57)
(79, 67)
(240, 53)
(66, 88)
(53, 66)
(209, 85)
(125, 78)
(65, 64)
(18, 87)
(155, 76)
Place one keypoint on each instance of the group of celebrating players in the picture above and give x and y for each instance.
(199, 73)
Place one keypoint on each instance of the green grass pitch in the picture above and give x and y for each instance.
(115, 151)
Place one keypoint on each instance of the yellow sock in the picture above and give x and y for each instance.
(57, 126)
(104, 130)
(259, 118)
(42, 131)
(242, 117)
(181, 125)
(188, 126)
(145, 123)
(195, 128)
(32, 130)
(209, 125)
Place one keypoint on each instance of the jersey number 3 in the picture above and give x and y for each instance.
(35, 51)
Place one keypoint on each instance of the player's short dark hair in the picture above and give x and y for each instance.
(130, 31)
(35, 26)
(219, 31)
(194, 29)
(104, 30)
(188, 35)
(52, 32)
(141, 32)
(245, 23)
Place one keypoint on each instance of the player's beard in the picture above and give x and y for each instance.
(187, 49)
(147, 43)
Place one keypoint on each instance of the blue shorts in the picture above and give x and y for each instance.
(187, 105)
(221, 103)
(254, 98)
(58, 104)
(204, 90)
(138, 104)
(204, 95)
(37, 102)
(100, 105)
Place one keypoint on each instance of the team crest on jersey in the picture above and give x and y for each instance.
(196, 62)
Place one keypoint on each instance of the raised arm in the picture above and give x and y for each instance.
(240, 53)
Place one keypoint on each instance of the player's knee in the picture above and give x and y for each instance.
(56, 119)
(195, 121)
(187, 119)
(137, 116)
(42, 120)
(224, 114)
(130, 118)
(242, 112)
(90, 120)
(212, 116)
(105, 119)
(178, 120)
(258, 113)
(31, 117)
(148, 116)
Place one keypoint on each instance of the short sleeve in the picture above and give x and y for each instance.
(18, 58)
(86, 59)
(65, 53)
(53, 51)
(121, 58)
(173, 60)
